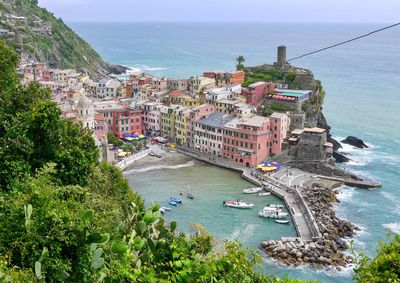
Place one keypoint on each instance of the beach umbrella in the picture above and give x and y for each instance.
(141, 136)
(134, 136)
(259, 166)
(126, 135)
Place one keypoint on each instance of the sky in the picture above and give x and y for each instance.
(354, 11)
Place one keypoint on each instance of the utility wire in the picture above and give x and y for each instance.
(344, 42)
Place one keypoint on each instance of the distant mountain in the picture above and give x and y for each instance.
(36, 34)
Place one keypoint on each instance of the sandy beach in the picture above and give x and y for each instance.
(170, 158)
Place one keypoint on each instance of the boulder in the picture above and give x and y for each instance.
(356, 142)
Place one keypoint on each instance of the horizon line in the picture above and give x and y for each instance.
(220, 22)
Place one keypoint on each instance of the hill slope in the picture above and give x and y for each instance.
(36, 34)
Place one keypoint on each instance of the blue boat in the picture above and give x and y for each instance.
(175, 199)
(174, 203)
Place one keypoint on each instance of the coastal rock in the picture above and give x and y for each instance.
(356, 142)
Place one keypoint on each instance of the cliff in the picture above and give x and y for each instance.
(298, 78)
(37, 35)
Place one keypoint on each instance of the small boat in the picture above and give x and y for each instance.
(162, 210)
(190, 195)
(281, 221)
(275, 206)
(173, 203)
(263, 194)
(166, 208)
(270, 212)
(238, 204)
(252, 190)
(175, 199)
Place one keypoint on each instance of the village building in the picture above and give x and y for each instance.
(208, 133)
(256, 92)
(108, 88)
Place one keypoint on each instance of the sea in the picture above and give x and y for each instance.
(362, 83)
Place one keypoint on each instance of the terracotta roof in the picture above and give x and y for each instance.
(176, 93)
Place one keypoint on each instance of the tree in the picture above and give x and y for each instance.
(240, 60)
(32, 133)
(385, 267)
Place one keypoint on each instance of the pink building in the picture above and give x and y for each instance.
(247, 141)
(100, 128)
(279, 126)
(197, 113)
(151, 117)
(256, 92)
(122, 119)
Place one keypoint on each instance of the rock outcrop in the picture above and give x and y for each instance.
(356, 142)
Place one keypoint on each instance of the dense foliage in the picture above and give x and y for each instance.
(385, 267)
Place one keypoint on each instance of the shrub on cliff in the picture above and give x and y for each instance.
(385, 267)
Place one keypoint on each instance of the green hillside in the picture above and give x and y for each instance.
(37, 34)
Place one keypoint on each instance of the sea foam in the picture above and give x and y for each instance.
(159, 167)
(394, 227)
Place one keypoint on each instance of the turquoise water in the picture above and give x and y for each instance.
(362, 82)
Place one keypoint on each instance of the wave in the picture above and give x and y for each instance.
(345, 194)
(393, 198)
(147, 68)
(242, 234)
(394, 227)
(160, 167)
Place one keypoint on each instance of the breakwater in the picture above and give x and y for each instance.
(319, 242)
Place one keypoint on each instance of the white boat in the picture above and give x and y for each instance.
(281, 221)
(166, 208)
(252, 190)
(269, 212)
(275, 206)
(162, 210)
(263, 194)
(238, 204)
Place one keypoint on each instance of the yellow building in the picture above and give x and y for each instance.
(187, 101)
(181, 127)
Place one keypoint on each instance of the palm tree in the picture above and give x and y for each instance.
(240, 59)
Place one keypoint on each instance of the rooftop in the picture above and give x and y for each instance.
(278, 115)
(257, 84)
(216, 120)
(314, 130)
(292, 92)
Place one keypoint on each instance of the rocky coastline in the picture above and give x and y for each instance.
(327, 251)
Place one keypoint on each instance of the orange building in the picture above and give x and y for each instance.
(237, 77)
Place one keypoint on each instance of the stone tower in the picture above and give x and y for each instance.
(85, 112)
(281, 59)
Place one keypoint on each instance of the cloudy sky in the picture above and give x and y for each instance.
(362, 11)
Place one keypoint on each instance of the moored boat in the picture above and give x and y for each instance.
(173, 203)
(281, 221)
(162, 210)
(270, 212)
(275, 206)
(238, 204)
(166, 208)
(263, 194)
(252, 190)
(175, 199)
(190, 195)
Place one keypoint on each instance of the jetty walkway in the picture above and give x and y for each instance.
(304, 222)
